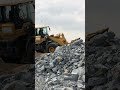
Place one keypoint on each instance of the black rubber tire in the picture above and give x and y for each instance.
(29, 58)
(53, 45)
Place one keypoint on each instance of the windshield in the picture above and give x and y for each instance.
(42, 31)
(45, 30)
(20, 12)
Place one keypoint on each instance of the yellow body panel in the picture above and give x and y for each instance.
(39, 40)
(12, 34)
(60, 39)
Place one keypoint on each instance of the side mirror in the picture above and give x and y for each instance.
(49, 28)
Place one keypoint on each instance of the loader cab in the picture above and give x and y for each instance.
(14, 19)
(17, 14)
(42, 31)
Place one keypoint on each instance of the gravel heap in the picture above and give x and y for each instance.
(62, 70)
(103, 62)
(65, 69)
(24, 80)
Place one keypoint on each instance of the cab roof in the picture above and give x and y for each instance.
(41, 26)
(13, 2)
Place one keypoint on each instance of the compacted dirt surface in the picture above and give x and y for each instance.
(38, 54)
(7, 68)
(11, 68)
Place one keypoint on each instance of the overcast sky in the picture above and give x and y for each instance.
(63, 16)
(102, 13)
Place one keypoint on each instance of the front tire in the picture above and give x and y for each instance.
(51, 47)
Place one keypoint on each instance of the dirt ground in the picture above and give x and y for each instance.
(39, 54)
(14, 68)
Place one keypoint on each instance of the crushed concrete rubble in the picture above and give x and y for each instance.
(70, 68)
(18, 81)
(62, 70)
(103, 62)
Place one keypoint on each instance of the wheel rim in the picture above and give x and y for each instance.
(51, 49)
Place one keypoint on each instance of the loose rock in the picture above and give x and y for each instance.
(62, 70)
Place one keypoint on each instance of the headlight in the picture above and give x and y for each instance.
(7, 29)
(37, 38)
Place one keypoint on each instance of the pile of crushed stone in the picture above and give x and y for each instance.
(103, 62)
(62, 70)
(23, 80)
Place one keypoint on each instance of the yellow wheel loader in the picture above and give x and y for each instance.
(47, 43)
(16, 30)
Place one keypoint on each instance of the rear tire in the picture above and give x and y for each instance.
(29, 56)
